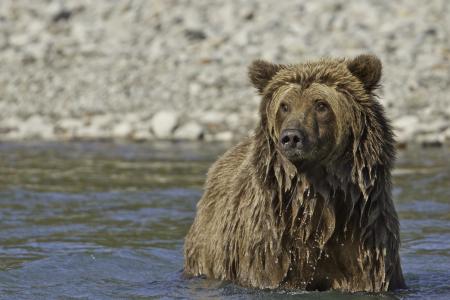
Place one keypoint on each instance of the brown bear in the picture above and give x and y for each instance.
(305, 202)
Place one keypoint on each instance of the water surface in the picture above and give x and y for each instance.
(107, 220)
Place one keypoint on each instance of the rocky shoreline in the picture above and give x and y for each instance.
(176, 70)
(166, 125)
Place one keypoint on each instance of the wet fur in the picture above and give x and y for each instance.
(264, 222)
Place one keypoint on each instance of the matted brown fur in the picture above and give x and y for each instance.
(265, 222)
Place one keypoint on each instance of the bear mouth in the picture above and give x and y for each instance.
(296, 154)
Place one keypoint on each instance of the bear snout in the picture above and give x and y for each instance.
(292, 139)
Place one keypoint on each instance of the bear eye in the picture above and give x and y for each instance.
(321, 106)
(284, 107)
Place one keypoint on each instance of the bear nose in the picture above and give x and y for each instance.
(291, 138)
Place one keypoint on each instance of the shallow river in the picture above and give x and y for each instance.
(106, 220)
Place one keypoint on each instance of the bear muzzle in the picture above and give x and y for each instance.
(293, 143)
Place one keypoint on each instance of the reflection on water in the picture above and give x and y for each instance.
(105, 220)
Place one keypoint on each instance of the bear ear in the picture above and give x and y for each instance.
(366, 68)
(260, 72)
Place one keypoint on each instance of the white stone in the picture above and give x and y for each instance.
(19, 40)
(402, 138)
(213, 117)
(142, 135)
(37, 51)
(447, 134)
(194, 89)
(406, 123)
(70, 123)
(86, 132)
(122, 130)
(406, 128)
(11, 122)
(69, 128)
(130, 118)
(36, 127)
(189, 131)
(433, 126)
(233, 120)
(163, 123)
(101, 121)
(224, 136)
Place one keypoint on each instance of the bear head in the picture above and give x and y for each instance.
(319, 113)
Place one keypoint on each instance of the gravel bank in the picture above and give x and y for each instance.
(174, 69)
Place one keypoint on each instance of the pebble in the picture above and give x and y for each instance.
(233, 121)
(163, 123)
(142, 135)
(407, 123)
(447, 134)
(91, 133)
(10, 124)
(189, 131)
(225, 136)
(213, 117)
(123, 130)
(36, 127)
(434, 126)
(402, 139)
(102, 121)
(67, 128)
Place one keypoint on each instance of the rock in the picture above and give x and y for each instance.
(132, 118)
(36, 127)
(10, 129)
(163, 123)
(20, 39)
(195, 89)
(90, 133)
(62, 15)
(189, 131)
(102, 121)
(446, 134)
(432, 126)
(123, 130)
(405, 128)
(233, 120)
(68, 128)
(194, 34)
(224, 136)
(36, 51)
(431, 140)
(142, 135)
(213, 117)
(143, 129)
(406, 123)
(10, 124)
(402, 139)
(214, 121)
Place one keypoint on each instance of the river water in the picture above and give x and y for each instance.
(107, 220)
